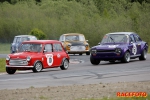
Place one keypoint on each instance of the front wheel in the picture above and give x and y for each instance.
(126, 57)
(94, 61)
(37, 67)
(10, 71)
(65, 65)
(143, 55)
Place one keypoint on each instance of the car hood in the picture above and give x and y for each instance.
(76, 43)
(110, 46)
(23, 55)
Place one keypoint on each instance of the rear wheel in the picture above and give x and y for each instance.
(80, 53)
(126, 57)
(37, 67)
(87, 53)
(10, 71)
(94, 61)
(143, 55)
(65, 65)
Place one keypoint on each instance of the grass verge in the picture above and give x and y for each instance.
(2, 64)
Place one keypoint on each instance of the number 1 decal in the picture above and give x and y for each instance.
(49, 59)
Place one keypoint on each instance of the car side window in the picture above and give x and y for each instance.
(57, 47)
(137, 38)
(48, 48)
(18, 40)
(132, 38)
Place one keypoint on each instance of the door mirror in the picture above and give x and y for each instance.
(44, 51)
(99, 43)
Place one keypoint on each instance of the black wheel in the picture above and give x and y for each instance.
(94, 61)
(65, 65)
(80, 53)
(10, 71)
(37, 67)
(126, 57)
(143, 55)
(87, 53)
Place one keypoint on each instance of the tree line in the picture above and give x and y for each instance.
(93, 18)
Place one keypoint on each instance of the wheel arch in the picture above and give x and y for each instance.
(64, 60)
(38, 61)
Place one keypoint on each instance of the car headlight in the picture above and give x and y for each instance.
(118, 50)
(7, 57)
(86, 44)
(28, 58)
(94, 51)
(69, 45)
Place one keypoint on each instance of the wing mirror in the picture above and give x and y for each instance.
(99, 43)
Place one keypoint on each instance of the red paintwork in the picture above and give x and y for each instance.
(39, 56)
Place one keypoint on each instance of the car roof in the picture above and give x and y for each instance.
(126, 33)
(73, 34)
(23, 35)
(42, 41)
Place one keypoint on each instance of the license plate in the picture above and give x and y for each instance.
(77, 48)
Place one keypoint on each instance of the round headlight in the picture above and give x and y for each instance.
(28, 58)
(93, 51)
(86, 44)
(118, 50)
(69, 45)
(7, 57)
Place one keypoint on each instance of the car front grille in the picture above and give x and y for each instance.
(18, 62)
(105, 51)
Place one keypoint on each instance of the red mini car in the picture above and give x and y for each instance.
(37, 55)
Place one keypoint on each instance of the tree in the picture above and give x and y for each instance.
(38, 33)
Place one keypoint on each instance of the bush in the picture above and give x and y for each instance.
(38, 33)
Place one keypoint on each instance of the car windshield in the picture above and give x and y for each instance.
(115, 38)
(30, 47)
(74, 38)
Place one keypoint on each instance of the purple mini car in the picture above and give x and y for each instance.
(121, 46)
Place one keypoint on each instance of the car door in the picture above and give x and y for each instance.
(138, 43)
(58, 53)
(48, 55)
(132, 46)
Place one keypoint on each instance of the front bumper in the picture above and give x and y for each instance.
(107, 56)
(15, 66)
(76, 52)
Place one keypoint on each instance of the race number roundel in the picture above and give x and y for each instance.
(134, 49)
(49, 59)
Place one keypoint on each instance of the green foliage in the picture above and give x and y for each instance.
(93, 18)
(2, 64)
(38, 33)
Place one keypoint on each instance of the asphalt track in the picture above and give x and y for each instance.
(79, 73)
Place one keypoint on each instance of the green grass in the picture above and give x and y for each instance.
(2, 64)
(5, 48)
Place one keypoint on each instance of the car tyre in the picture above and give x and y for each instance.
(10, 71)
(87, 53)
(37, 67)
(80, 54)
(65, 65)
(126, 57)
(94, 61)
(143, 55)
